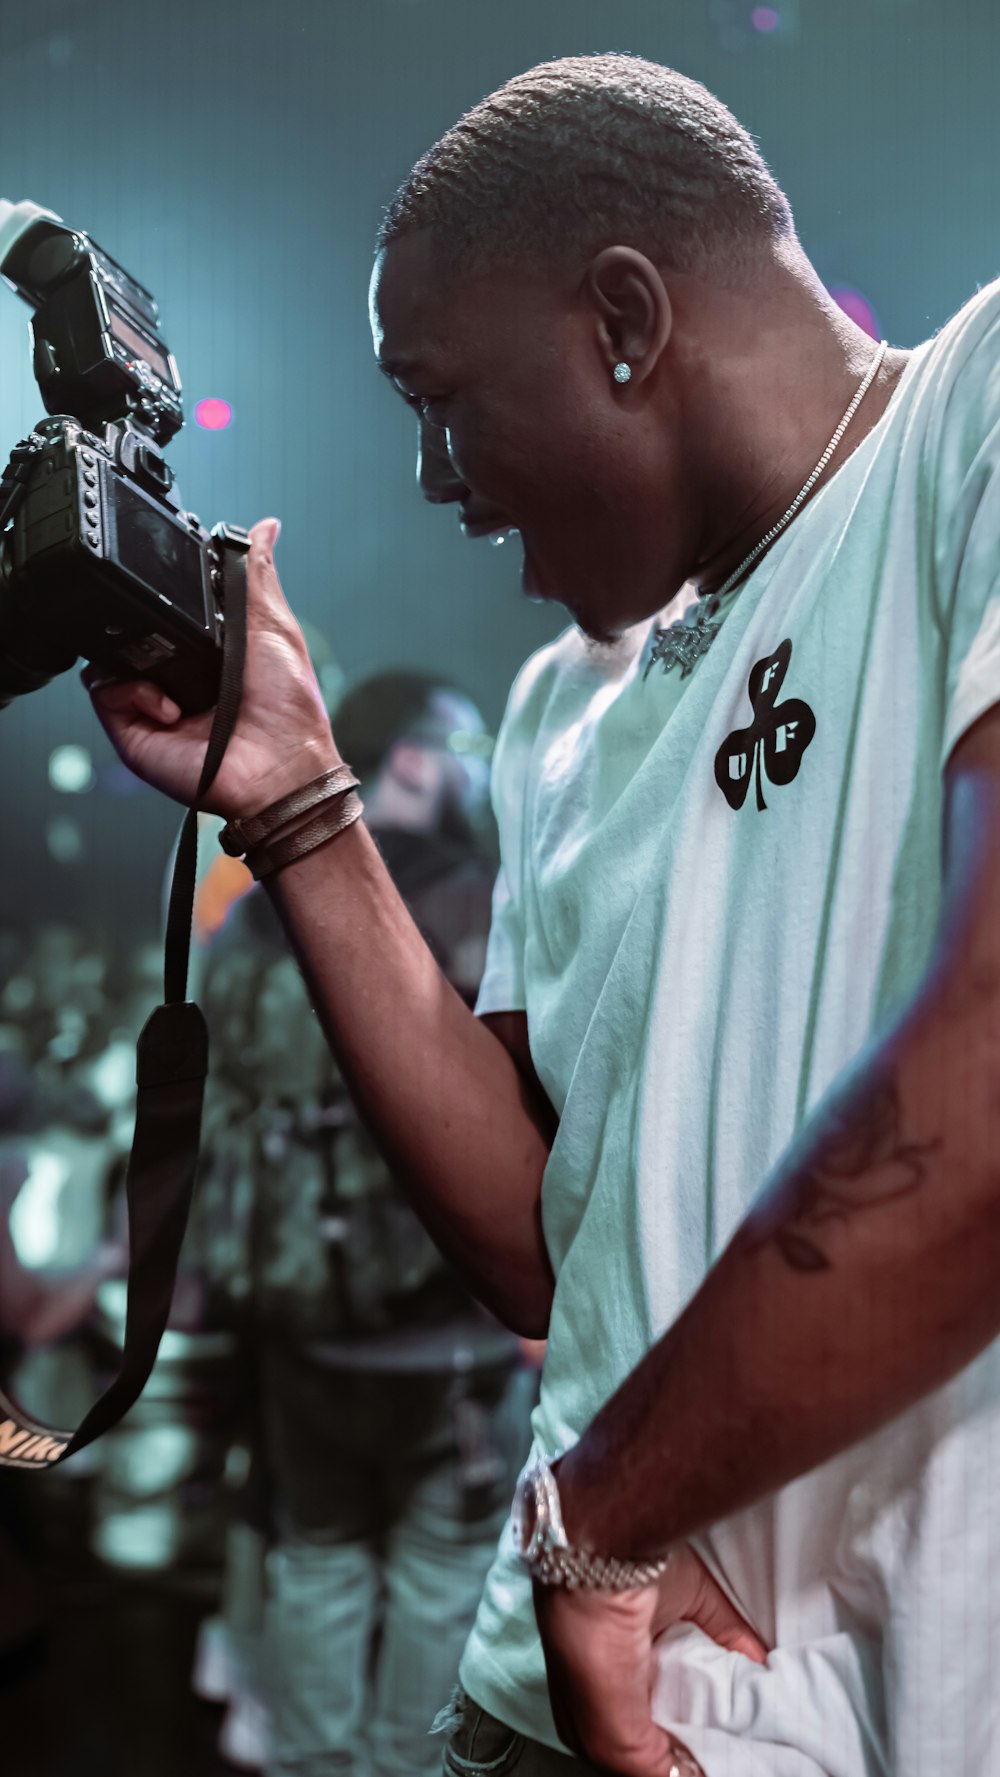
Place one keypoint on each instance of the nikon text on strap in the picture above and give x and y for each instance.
(171, 1067)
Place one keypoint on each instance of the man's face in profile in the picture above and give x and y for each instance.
(521, 425)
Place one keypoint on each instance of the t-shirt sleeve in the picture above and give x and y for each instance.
(502, 986)
(966, 503)
(503, 983)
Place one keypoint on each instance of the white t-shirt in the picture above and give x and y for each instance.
(704, 928)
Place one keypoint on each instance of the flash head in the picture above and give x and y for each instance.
(15, 220)
(98, 350)
(97, 555)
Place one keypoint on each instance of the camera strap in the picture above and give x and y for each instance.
(171, 1068)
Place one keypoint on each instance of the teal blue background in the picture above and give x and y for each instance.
(235, 157)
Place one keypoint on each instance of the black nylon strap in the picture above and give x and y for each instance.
(171, 1067)
(177, 949)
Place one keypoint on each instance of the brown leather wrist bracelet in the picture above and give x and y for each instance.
(248, 832)
(335, 817)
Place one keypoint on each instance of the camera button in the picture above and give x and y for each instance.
(91, 497)
(90, 477)
(87, 456)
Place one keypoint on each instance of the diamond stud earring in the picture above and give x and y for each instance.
(622, 373)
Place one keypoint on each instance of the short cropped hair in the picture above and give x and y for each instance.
(595, 151)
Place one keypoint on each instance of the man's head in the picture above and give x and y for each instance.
(421, 750)
(595, 210)
(590, 152)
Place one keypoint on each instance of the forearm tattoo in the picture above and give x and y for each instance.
(861, 1161)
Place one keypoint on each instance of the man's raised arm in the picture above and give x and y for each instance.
(465, 1127)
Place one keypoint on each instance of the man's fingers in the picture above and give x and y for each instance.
(614, 1743)
(687, 1593)
(650, 1752)
(130, 697)
(97, 678)
(599, 1656)
(718, 1618)
(150, 701)
(564, 1724)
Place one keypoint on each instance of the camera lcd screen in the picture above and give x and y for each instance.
(142, 347)
(166, 559)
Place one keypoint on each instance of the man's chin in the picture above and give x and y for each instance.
(541, 591)
(601, 629)
(603, 635)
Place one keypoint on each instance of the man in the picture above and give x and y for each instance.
(727, 949)
(392, 1411)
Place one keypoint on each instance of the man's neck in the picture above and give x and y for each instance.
(769, 413)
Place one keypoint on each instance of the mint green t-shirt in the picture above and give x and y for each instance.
(714, 892)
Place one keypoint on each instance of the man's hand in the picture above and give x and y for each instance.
(282, 735)
(599, 1658)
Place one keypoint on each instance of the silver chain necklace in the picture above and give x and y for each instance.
(684, 642)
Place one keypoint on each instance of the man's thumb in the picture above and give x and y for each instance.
(265, 534)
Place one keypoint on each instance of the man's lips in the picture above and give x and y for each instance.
(487, 524)
(499, 528)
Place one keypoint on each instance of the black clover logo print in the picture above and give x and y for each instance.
(775, 740)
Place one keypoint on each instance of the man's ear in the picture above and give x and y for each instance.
(632, 309)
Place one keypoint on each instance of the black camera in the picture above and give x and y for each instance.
(97, 556)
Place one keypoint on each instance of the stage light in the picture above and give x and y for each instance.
(474, 745)
(37, 1215)
(857, 307)
(64, 840)
(214, 415)
(71, 770)
(739, 24)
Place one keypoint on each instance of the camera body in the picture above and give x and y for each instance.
(100, 562)
(97, 556)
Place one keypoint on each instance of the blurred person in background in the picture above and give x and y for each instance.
(391, 1410)
(58, 1138)
(58, 1245)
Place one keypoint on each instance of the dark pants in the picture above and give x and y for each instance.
(383, 1537)
(477, 1745)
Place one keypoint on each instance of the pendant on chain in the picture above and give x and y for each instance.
(683, 645)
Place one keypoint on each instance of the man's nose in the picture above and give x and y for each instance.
(436, 477)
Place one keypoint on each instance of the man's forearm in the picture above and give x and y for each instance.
(459, 1125)
(864, 1278)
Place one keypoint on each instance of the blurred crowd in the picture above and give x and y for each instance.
(332, 1431)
